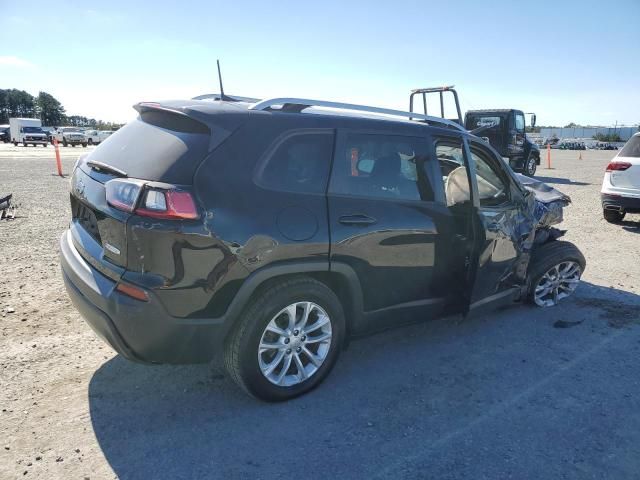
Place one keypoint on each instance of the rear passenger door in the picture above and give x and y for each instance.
(386, 224)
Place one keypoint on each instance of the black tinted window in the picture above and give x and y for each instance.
(299, 163)
(388, 166)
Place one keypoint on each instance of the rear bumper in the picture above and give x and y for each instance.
(139, 331)
(621, 203)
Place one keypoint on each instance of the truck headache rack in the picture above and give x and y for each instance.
(297, 105)
(439, 90)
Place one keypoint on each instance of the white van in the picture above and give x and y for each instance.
(27, 131)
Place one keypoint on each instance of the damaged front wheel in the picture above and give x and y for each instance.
(554, 272)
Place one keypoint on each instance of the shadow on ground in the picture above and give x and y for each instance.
(631, 226)
(559, 181)
(505, 394)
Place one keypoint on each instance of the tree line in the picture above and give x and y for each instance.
(18, 103)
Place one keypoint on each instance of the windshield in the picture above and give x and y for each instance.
(484, 121)
(631, 148)
(32, 130)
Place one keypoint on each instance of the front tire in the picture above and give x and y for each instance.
(287, 340)
(613, 216)
(64, 142)
(530, 166)
(554, 273)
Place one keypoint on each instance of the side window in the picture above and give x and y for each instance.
(299, 163)
(492, 189)
(384, 166)
(519, 122)
(454, 174)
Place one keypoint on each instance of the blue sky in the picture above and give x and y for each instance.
(565, 60)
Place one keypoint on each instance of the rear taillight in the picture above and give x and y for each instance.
(168, 204)
(617, 166)
(163, 203)
(123, 194)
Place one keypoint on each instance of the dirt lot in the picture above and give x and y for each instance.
(505, 395)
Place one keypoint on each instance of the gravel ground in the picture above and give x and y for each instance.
(505, 395)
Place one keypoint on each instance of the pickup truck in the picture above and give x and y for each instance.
(70, 136)
(94, 137)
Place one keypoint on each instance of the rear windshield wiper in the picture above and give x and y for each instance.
(106, 168)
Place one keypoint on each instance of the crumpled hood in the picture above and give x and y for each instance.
(549, 202)
(544, 192)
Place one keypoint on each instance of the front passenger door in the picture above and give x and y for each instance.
(501, 234)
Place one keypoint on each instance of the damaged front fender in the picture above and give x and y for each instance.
(511, 235)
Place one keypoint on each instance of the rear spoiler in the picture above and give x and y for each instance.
(191, 118)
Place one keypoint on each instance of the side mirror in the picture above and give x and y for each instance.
(533, 120)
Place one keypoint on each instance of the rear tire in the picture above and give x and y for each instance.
(245, 361)
(557, 267)
(90, 142)
(84, 145)
(613, 216)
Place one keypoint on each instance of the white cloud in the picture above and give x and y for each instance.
(11, 61)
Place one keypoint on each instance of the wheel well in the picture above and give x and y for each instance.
(337, 282)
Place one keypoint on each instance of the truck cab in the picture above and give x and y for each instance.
(504, 129)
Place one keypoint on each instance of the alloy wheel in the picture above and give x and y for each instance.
(295, 344)
(557, 283)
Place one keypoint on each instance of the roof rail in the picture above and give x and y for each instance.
(299, 104)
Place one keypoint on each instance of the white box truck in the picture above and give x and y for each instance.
(27, 131)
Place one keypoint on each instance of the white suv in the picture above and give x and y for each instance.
(621, 186)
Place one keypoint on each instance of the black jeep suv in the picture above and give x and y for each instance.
(266, 234)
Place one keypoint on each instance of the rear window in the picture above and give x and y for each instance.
(157, 146)
(631, 148)
(298, 163)
(382, 166)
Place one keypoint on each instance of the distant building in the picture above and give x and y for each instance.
(588, 132)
